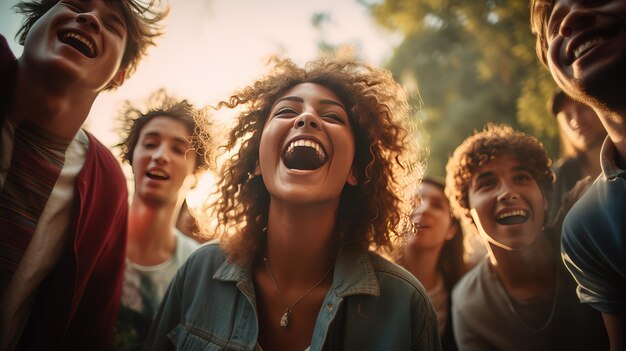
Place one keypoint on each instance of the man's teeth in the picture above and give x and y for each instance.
(512, 213)
(308, 143)
(585, 46)
(158, 173)
(82, 40)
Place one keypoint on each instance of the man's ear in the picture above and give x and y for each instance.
(352, 178)
(118, 79)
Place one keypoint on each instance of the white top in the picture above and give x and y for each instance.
(143, 290)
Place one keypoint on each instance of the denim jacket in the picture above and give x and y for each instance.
(210, 305)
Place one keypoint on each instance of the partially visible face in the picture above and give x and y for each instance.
(78, 41)
(431, 218)
(307, 146)
(587, 47)
(163, 162)
(581, 125)
(508, 202)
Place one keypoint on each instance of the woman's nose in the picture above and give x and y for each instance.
(307, 120)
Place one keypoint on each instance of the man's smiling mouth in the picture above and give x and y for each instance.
(304, 154)
(157, 174)
(586, 46)
(512, 217)
(79, 42)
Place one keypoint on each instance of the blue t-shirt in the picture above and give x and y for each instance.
(594, 238)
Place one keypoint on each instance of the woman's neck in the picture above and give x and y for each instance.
(299, 239)
(423, 265)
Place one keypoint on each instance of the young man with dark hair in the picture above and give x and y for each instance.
(583, 44)
(162, 147)
(63, 197)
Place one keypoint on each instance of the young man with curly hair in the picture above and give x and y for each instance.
(583, 44)
(63, 198)
(519, 297)
(161, 145)
(317, 178)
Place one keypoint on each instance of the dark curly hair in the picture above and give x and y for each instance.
(133, 120)
(539, 14)
(370, 213)
(140, 16)
(481, 148)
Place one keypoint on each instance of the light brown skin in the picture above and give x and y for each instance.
(302, 213)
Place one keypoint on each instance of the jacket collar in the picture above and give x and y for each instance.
(607, 161)
(354, 274)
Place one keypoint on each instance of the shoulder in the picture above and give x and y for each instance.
(185, 240)
(470, 288)
(387, 269)
(97, 149)
(101, 165)
(185, 245)
(397, 283)
(205, 260)
(600, 205)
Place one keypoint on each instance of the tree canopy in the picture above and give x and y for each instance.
(473, 62)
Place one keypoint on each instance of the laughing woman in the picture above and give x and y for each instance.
(321, 154)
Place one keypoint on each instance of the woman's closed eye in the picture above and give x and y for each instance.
(285, 112)
(333, 118)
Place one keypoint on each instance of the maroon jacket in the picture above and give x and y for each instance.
(76, 305)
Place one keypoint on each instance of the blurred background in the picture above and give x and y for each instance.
(465, 63)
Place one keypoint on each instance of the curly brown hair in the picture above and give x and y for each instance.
(481, 148)
(370, 213)
(140, 16)
(539, 14)
(133, 119)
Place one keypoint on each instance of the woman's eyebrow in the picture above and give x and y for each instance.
(288, 98)
(333, 102)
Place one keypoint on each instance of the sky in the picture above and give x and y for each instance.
(212, 47)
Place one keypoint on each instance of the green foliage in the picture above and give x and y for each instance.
(473, 62)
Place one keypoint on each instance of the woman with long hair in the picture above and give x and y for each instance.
(434, 253)
(321, 158)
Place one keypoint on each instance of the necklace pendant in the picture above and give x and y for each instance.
(284, 320)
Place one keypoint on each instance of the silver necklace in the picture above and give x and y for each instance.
(284, 320)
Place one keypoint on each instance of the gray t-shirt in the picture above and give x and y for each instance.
(143, 290)
(486, 318)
